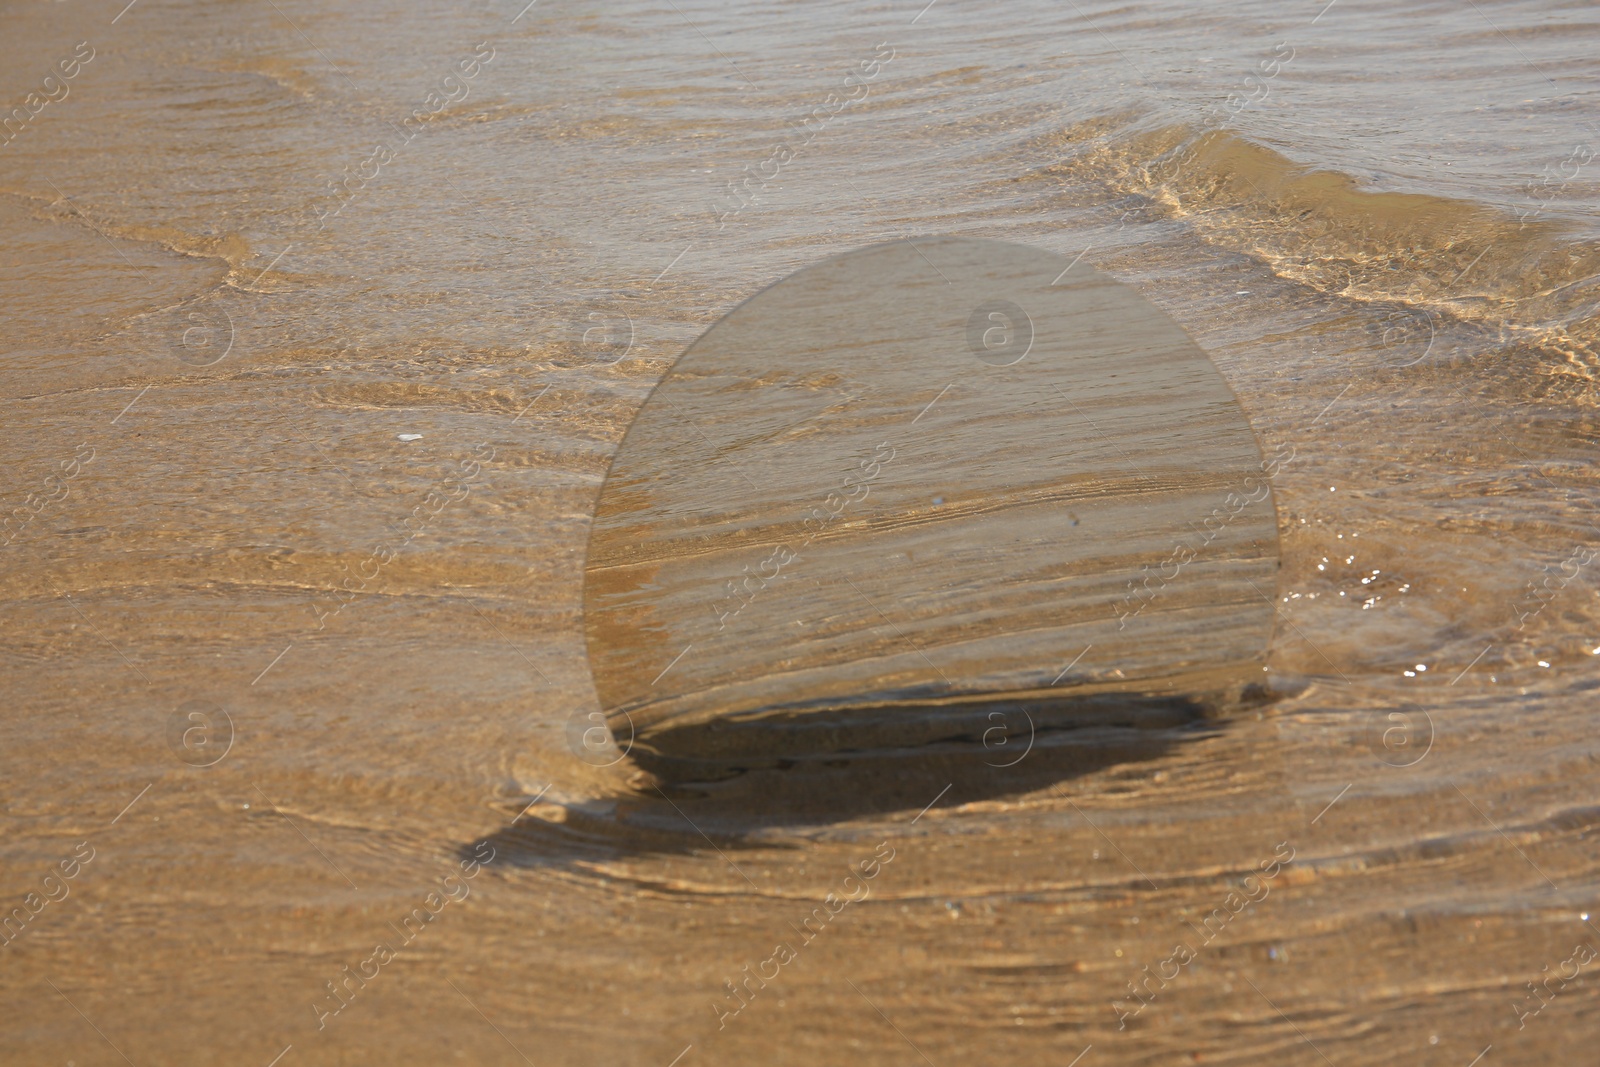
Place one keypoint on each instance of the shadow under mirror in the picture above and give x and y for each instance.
(985, 751)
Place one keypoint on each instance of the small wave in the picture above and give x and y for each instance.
(230, 249)
(1462, 260)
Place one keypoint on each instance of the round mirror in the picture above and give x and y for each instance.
(914, 482)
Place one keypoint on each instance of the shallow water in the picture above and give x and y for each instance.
(238, 268)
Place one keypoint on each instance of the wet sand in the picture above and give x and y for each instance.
(293, 760)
